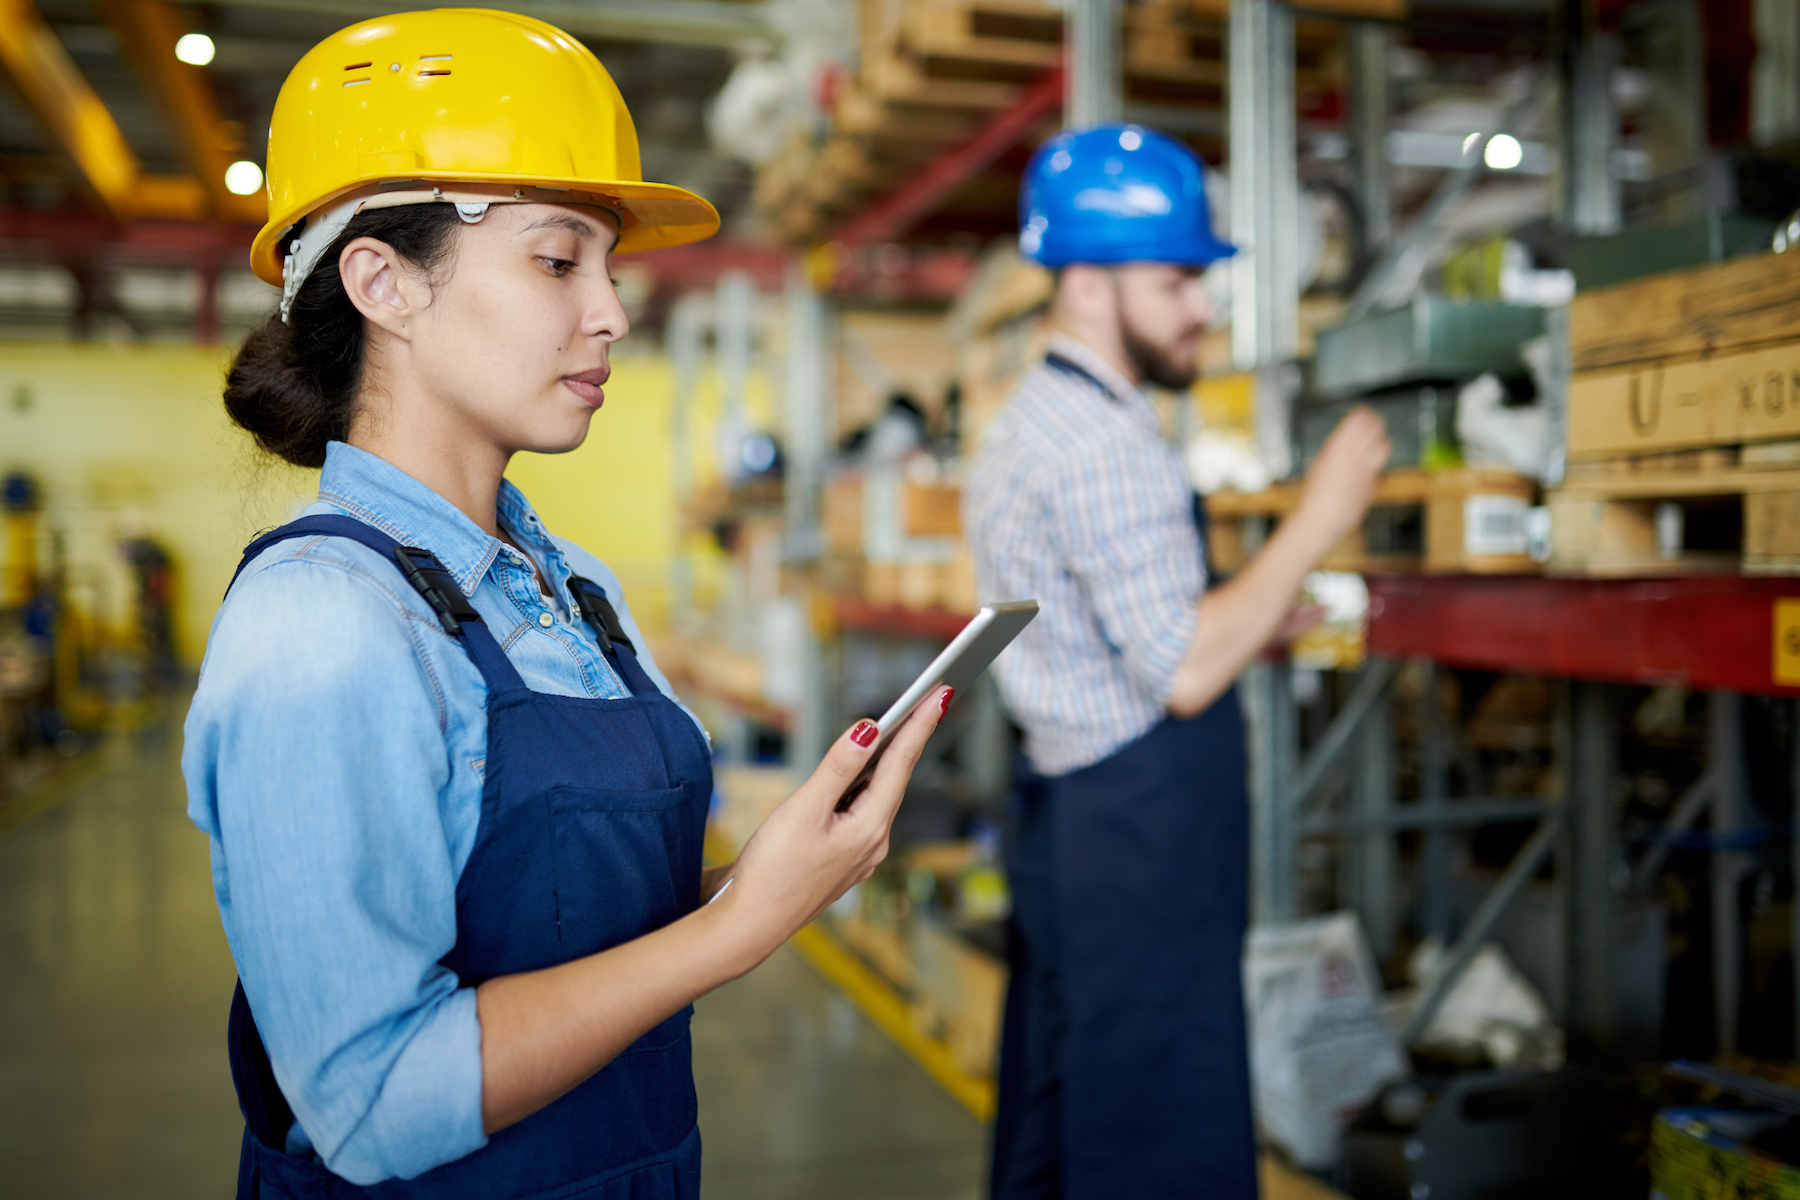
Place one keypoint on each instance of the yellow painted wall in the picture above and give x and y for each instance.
(134, 440)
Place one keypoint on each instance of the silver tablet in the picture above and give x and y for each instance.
(967, 656)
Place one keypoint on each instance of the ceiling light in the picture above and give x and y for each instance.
(1469, 142)
(243, 178)
(1504, 152)
(196, 49)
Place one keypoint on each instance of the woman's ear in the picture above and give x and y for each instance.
(382, 285)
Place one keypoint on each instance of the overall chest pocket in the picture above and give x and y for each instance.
(626, 863)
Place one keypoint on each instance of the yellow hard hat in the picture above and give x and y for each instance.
(462, 96)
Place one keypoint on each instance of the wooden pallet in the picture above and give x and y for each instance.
(1725, 399)
(931, 70)
(1689, 314)
(1737, 510)
(1436, 522)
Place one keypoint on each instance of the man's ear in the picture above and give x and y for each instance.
(1085, 291)
(384, 288)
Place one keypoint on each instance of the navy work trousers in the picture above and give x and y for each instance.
(1124, 1065)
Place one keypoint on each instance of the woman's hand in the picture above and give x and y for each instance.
(806, 854)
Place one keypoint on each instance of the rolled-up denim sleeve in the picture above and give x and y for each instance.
(1126, 526)
(316, 758)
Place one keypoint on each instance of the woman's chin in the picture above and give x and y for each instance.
(569, 436)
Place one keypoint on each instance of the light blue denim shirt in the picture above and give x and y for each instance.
(334, 758)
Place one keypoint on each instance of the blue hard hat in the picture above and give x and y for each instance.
(1116, 194)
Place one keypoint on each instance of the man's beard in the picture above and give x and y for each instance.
(1153, 363)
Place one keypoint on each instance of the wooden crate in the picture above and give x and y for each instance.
(1392, 10)
(931, 510)
(1468, 521)
(1177, 51)
(841, 514)
(1724, 400)
(1736, 515)
(1010, 41)
(1688, 314)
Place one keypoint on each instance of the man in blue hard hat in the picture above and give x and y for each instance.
(1124, 1070)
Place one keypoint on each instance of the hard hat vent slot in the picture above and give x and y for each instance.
(428, 64)
(354, 82)
(358, 66)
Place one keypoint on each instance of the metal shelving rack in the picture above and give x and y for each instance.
(1720, 634)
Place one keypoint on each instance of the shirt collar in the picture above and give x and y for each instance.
(374, 490)
(1128, 394)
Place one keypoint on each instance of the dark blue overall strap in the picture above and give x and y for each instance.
(603, 619)
(425, 574)
(1057, 362)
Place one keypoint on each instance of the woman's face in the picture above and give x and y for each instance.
(516, 336)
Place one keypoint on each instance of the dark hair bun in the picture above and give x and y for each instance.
(294, 384)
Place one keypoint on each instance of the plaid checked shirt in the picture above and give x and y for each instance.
(1075, 499)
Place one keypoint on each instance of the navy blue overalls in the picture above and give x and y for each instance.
(592, 816)
(1124, 1062)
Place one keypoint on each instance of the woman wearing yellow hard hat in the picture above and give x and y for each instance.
(455, 813)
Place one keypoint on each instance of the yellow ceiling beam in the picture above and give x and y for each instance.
(34, 61)
(148, 31)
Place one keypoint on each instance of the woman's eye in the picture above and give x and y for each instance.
(558, 266)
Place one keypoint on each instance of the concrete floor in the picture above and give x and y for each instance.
(115, 980)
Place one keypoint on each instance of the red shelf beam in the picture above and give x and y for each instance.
(937, 624)
(890, 216)
(1705, 632)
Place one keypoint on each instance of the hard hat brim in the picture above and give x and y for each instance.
(1201, 250)
(656, 215)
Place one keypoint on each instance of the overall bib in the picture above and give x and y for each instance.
(592, 817)
(1124, 1060)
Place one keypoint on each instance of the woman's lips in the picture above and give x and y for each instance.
(587, 385)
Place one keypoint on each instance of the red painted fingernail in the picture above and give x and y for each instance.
(864, 733)
(944, 704)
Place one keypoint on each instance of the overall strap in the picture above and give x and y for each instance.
(1203, 524)
(266, 1111)
(425, 574)
(603, 619)
(1068, 366)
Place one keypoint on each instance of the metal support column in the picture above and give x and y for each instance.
(1096, 94)
(684, 336)
(985, 752)
(734, 307)
(1265, 198)
(1590, 123)
(1265, 321)
(806, 434)
(1730, 813)
(1372, 851)
(1434, 790)
(1274, 823)
(1369, 118)
(1589, 869)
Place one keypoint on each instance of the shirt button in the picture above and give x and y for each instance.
(546, 620)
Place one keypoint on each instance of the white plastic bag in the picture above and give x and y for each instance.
(1320, 1046)
(1494, 434)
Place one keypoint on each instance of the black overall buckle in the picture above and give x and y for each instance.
(600, 615)
(435, 583)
